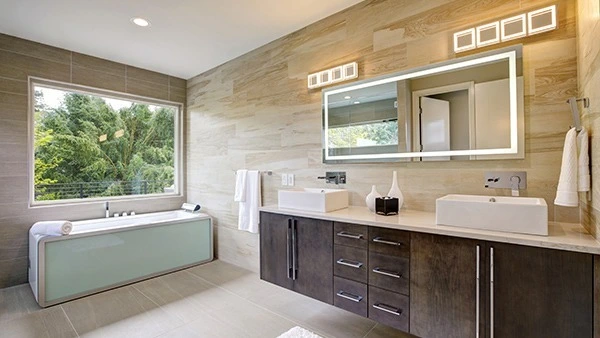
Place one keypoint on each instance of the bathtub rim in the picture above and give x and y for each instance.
(41, 266)
(189, 216)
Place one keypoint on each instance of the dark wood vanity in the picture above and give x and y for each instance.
(432, 285)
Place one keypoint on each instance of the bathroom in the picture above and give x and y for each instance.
(254, 110)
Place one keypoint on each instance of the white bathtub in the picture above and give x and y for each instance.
(101, 254)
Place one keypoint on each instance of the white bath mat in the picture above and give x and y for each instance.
(298, 332)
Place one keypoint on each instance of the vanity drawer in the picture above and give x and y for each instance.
(350, 234)
(389, 308)
(350, 296)
(389, 272)
(350, 263)
(389, 241)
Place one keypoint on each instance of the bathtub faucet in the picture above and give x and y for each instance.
(107, 208)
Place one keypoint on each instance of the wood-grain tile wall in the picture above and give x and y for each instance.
(256, 111)
(588, 24)
(19, 59)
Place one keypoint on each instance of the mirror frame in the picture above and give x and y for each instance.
(509, 53)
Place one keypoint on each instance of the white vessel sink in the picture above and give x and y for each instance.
(511, 214)
(307, 199)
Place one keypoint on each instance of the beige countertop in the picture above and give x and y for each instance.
(562, 236)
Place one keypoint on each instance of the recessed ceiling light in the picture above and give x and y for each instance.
(347, 97)
(140, 22)
(356, 102)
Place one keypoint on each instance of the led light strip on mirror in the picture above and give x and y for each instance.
(515, 27)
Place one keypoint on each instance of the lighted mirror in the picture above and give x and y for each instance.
(469, 108)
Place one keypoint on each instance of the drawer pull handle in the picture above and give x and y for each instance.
(387, 308)
(349, 296)
(349, 235)
(351, 264)
(385, 241)
(387, 273)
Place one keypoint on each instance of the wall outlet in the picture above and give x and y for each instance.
(290, 180)
(284, 179)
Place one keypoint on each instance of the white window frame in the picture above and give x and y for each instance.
(178, 142)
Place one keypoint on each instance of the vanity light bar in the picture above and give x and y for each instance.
(515, 27)
(337, 74)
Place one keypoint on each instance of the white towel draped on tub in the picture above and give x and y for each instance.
(52, 228)
(249, 215)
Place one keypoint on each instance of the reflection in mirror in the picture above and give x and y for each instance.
(469, 108)
(365, 121)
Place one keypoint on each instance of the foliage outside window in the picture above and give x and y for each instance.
(364, 135)
(91, 146)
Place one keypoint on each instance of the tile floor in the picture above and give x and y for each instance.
(211, 300)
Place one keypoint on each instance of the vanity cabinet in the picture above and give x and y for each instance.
(371, 273)
(350, 267)
(539, 292)
(444, 286)
(468, 288)
(389, 275)
(296, 253)
(433, 285)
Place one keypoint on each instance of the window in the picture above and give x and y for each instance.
(364, 135)
(89, 143)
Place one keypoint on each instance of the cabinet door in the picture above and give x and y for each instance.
(539, 292)
(444, 286)
(275, 249)
(314, 258)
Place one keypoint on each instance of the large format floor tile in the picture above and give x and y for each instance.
(123, 312)
(211, 300)
(51, 322)
(16, 302)
(183, 295)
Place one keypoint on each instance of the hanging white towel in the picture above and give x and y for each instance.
(583, 170)
(240, 185)
(249, 215)
(566, 194)
(51, 228)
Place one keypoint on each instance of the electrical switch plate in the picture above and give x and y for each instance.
(284, 179)
(291, 180)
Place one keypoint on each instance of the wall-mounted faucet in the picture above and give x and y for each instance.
(336, 177)
(513, 180)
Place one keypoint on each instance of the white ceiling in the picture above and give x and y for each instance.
(186, 37)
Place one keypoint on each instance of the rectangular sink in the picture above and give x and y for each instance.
(307, 199)
(510, 214)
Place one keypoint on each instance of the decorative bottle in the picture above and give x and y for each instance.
(370, 200)
(395, 191)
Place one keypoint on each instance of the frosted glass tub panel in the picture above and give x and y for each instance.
(81, 265)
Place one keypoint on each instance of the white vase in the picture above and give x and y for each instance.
(395, 191)
(370, 199)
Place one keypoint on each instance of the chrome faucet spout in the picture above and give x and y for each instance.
(335, 177)
(514, 182)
